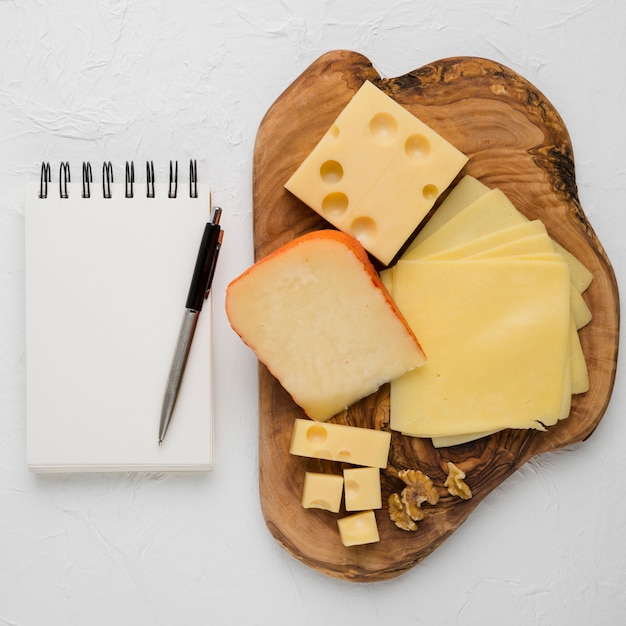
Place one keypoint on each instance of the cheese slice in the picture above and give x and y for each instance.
(497, 335)
(525, 245)
(491, 212)
(580, 373)
(457, 440)
(579, 378)
(507, 241)
(488, 213)
(490, 227)
(377, 172)
(506, 244)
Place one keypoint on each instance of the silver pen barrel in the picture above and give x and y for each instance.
(177, 369)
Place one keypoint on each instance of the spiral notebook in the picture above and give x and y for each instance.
(107, 272)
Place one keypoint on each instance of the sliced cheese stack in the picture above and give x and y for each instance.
(497, 305)
(316, 313)
(377, 172)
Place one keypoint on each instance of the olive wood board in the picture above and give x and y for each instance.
(516, 141)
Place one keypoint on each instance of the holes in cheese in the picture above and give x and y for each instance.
(380, 165)
(316, 313)
(338, 442)
(331, 172)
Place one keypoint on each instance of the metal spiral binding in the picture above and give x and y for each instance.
(107, 179)
(87, 179)
(150, 179)
(173, 190)
(193, 179)
(44, 179)
(130, 179)
(64, 179)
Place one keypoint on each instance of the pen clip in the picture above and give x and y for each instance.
(220, 236)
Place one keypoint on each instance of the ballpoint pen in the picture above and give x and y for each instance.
(198, 292)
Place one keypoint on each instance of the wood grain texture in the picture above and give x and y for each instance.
(516, 141)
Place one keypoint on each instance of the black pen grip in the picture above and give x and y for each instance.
(203, 270)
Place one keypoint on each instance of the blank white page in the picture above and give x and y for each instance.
(106, 286)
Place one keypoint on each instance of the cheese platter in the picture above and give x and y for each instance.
(516, 141)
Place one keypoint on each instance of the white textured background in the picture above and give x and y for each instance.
(115, 80)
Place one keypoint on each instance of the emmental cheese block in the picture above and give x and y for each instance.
(317, 314)
(338, 442)
(377, 172)
(497, 333)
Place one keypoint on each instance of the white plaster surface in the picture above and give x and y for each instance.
(115, 80)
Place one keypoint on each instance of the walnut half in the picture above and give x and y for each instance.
(456, 484)
(420, 486)
(406, 508)
(398, 513)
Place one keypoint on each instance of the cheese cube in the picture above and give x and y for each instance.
(322, 491)
(338, 442)
(377, 172)
(362, 488)
(316, 313)
(358, 529)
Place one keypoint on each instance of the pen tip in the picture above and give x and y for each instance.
(160, 441)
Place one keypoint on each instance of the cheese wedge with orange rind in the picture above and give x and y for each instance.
(316, 313)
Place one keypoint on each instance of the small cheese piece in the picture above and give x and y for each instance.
(358, 529)
(497, 333)
(362, 488)
(317, 314)
(322, 491)
(377, 172)
(339, 442)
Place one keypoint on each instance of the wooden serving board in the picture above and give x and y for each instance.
(516, 141)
